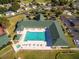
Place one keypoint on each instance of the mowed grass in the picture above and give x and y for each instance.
(68, 56)
(7, 53)
(16, 18)
(40, 54)
(37, 54)
(13, 20)
(27, 1)
(38, 1)
(69, 39)
(42, 1)
(53, 54)
(5, 49)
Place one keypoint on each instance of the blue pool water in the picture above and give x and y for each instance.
(18, 46)
(39, 36)
(35, 36)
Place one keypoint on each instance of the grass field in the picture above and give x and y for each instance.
(27, 1)
(69, 39)
(68, 56)
(38, 1)
(43, 54)
(37, 54)
(5, 49)
(7, 53)
(13, 20)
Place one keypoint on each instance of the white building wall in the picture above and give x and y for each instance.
(33, 44)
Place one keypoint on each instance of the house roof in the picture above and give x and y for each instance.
(61, 40)
(9, 12)
(58, 38)
(1, 30)
(33, 24)
(3, 40)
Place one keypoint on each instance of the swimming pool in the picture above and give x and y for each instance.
(18, 46)
(35, 36)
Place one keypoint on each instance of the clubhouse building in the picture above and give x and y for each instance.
(39, 35)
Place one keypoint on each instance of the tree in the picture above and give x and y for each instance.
(15, 6)
(58, 12)
(3, 9)
(8, 1)
(71, 4)
(4, 22)
(77, 12)
(62, 2)
(54, 2)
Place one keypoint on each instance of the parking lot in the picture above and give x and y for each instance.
(72, 25)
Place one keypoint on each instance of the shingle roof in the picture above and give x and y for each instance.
(58, 38)
(3, 40)
(61, 40)
(33, 24)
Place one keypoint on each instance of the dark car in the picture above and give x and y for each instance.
(71, 23)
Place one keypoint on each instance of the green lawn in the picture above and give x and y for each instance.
(69, 39)
(39, 1)
(53, 54)
(37, 54)
(7, 53)
(27, 1)
(5, 49)
(42, 1)
(13, 20)
(68, 56)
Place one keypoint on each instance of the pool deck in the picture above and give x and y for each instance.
(31, 30)
(25, 30)
(35, 29)
(30, 48)
(21, 41)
